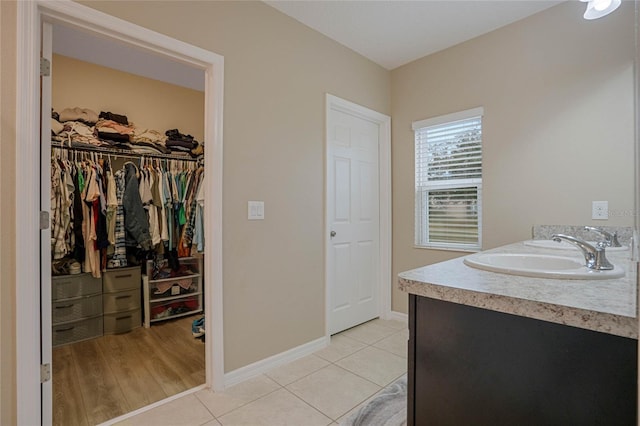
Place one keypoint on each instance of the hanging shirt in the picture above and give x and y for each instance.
(154, 226)
(112, 207)
(119, 258)
(91, 200)
(198, 234)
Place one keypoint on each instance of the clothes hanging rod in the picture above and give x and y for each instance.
(121, 152)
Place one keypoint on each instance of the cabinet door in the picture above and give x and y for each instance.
(479, 367)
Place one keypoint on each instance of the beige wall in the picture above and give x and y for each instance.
(277, 72)
(558, 130)
(147, 103)
(7, 213)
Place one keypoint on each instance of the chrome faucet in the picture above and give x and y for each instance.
(611, 240)
(594, 256)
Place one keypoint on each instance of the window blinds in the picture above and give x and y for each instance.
(448, 181)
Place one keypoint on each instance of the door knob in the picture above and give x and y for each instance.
(333, 234)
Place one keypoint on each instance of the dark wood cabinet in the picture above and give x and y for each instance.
(472, 366)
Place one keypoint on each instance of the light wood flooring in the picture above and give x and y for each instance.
(103, 378)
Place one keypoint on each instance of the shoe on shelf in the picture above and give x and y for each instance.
(197, 327)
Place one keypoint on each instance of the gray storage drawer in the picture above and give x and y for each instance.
(115, 280)
(75, 309)
(122, 301)
(121, 322)
(76, 331)
(70, 286)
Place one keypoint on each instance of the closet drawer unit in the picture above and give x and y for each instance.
(121, 279)
(122, 301)
(71, 286)
(76, 331)
(121, 322)
(75, 309)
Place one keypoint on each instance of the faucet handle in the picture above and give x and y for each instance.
(611, 240)
(614, 240)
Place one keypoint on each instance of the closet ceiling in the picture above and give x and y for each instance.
(87, 47)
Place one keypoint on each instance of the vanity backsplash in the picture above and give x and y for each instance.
(544, 232)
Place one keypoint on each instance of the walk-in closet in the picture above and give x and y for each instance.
(127, 240)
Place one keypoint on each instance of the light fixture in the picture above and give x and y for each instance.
(599, 8)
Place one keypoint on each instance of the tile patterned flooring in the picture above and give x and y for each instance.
(320, 389)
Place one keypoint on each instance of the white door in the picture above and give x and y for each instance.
(45, 235)
(353, 218)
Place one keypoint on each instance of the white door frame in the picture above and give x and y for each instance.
(27, 183)
(384, 164)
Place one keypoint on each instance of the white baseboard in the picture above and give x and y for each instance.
(397, 316)
(244, 373)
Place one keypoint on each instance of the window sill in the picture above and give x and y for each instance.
(458, 249)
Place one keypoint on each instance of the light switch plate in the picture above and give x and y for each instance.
(255, 210)
(600, 210)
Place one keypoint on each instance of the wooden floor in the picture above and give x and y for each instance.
(100, 379)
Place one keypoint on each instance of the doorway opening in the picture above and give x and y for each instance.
(32, 181)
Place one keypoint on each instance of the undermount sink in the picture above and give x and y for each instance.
(563, 245)
(539, 265)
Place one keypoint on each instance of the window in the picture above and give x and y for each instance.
(448, 178)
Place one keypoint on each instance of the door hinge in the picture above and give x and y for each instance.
(45, 67)
(45, 373)
(44, 220)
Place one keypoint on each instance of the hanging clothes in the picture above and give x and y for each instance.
(62, 193)
(91, 202)
(119, 258)
(97, 212)
(136, 222)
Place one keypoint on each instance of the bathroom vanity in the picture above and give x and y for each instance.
(489, 348)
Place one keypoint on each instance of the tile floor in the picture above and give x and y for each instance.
(320, 389)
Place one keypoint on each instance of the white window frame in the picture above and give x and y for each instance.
(447, 184)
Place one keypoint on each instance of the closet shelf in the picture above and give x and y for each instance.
(159, 307)
(177, 277)
(167, 298)
(123, 152)
(183, 314)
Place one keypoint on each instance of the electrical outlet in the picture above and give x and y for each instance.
(600, 210)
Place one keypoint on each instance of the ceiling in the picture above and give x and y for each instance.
(388, 32)
(394, 32)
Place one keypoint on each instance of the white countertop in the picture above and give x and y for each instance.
(607, 306)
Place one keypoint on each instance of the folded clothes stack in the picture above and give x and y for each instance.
(148, 140)
(179, 142)
(113, 132)
(83, 127)
(75, 126)
(83, 115)
(120, 119)
(77, 133)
